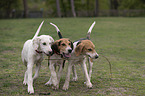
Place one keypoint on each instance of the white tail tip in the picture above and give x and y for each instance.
(57, 29)
(38, 30)
(90, 29)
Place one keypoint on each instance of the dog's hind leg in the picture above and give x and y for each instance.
(25, 78)
(38, 66)
(25, 75)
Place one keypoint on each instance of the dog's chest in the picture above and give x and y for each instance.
(39, 58)
(56, 59)
(77, 60)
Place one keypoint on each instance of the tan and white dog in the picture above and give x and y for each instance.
(62, 48)
(82, 48)
(32, 53)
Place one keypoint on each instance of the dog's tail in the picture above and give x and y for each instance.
(90, 29)
(38, 30)
(57, 29)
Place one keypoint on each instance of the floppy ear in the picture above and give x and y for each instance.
(79, 49)
(72, 46)
(54, 47)
(36, 43)
(59, 43)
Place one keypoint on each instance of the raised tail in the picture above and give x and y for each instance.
(58, 31)
(38, 30)
(90, 29)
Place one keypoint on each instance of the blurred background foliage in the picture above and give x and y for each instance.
(50, 7)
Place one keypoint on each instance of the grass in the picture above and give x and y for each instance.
(121, 40)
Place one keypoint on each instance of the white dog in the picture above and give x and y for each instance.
(32, 53)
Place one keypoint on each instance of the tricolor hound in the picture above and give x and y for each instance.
(82, 48)
(62, 48)
(32, 53)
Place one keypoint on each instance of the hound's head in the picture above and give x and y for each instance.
(63, 47)
(86, 47)
(42, 44)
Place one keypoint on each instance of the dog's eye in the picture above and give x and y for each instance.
(69, 43)
(63, 44)
(44, 43)
(90, 49)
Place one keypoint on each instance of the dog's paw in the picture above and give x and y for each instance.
(55, 87)
(30, 90)
(48, 83)
(89, 84)
(65, 88)
(24, 82)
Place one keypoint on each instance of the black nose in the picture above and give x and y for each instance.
(96, 56)
(69, 50)
(50, 52)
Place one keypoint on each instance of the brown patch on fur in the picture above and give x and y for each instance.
(84, 47)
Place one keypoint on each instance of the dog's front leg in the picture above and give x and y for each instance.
(59, 72)
(30, 79)
(49, 82)
(53, 76)
(75, 77)
(84, 68)
(90, 61)
(67, 79)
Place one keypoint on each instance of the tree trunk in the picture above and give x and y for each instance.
(88, 7)
(64, 14)
(25, 9)
(73, 8)
(58, 8)
(96, 7)
(114, 7)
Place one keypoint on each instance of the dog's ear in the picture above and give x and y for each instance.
(59, 43)
(71, 44)
(51, 39)
(55, 48)
(36, 43)
(79, 49)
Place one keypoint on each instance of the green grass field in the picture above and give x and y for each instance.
(121, 40)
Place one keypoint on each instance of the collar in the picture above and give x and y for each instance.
(58, 53)
(38, 51)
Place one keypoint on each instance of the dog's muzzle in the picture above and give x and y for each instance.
(96, 56)
(69, 50)
(49, 53)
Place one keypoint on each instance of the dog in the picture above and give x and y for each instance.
(82, 48)
(62, 48)
(32, 53)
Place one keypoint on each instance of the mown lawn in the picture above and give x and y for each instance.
(121, 40)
